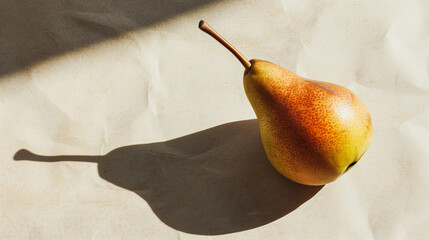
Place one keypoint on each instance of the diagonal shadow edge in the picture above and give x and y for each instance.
(212, 182)
(32, 31)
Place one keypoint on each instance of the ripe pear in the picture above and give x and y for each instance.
(312, 131)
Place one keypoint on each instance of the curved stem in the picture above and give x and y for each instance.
(209, 30)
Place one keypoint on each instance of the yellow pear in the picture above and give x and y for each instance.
(312, 131)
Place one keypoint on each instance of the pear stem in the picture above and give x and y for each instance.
(210, 31)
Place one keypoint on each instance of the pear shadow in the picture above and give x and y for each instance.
(212, 182)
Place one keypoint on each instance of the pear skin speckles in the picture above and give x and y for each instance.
(311, 130)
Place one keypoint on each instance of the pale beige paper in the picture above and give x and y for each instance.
(137, 97)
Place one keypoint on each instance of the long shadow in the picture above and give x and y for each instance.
(34, 30)
(211, 182)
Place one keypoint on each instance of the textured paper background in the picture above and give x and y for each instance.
(140, 127)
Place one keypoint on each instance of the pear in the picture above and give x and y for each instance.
(312, 131)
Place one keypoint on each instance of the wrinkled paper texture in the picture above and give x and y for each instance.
(122, 120)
